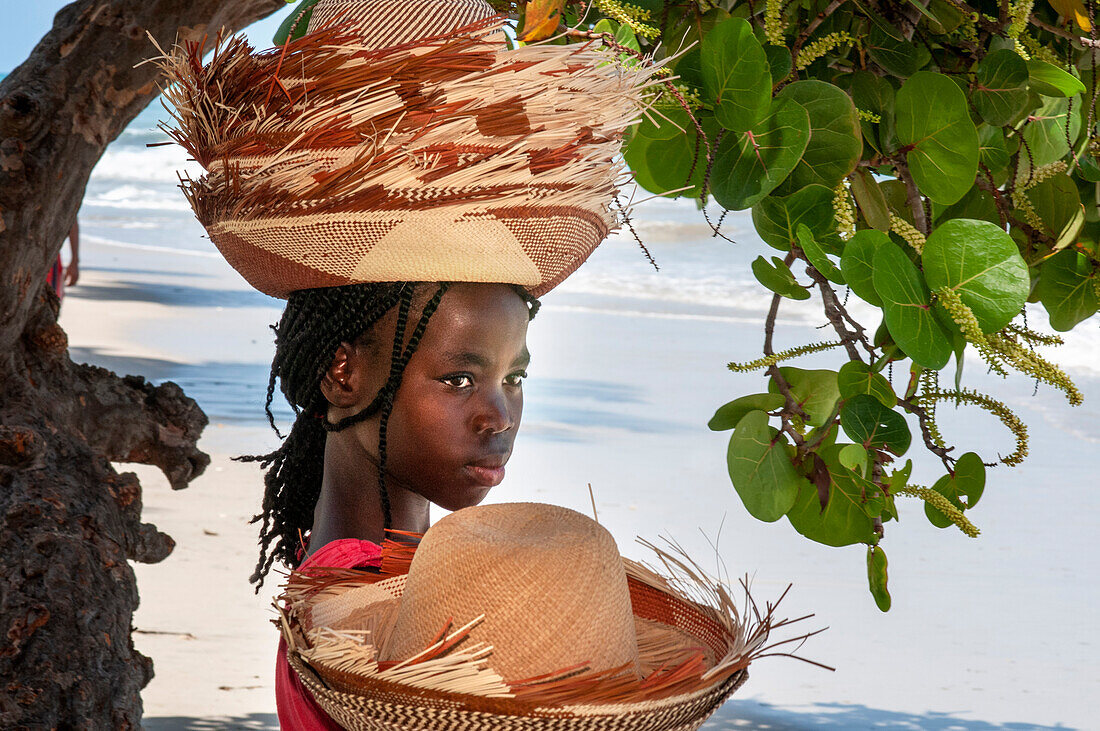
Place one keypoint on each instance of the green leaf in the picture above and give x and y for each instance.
(843, 520)
(1058, 205)
(760, 468)
(900, 58)
(779, 61)
(855, 378)
(671, 122)
(976, 204)
(298, 20)
(906, 305)
(866, 421)
(815, 391)
(736, 77)
(967, 482)
(854, 457)
(942, 142)
(981, 262)
(778, 278)
(993, 152)
(669, 163)
(1049, 80)
(727, 416)
(690, 68)
(835, 139)
(871, 201)
(877, 577)
(1045, 134)
(634, 154)
(874, 94)
(1001, 87)
(857, 263)
(1067, 289)
(748, 166)
(776, 219)
(816, 255)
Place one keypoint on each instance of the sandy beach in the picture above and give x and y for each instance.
(993, 633)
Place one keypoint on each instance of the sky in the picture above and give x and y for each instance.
(26, 21)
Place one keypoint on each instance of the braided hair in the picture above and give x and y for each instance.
(312, 327)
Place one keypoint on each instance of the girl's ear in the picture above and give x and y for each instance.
(343, 379)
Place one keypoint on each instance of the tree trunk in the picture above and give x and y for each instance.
(70, 522)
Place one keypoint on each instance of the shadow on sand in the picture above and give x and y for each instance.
(748, 714)
(734, 715)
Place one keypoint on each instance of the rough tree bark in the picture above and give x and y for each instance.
(70, 522)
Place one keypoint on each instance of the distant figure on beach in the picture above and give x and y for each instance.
(410, 260)
(61, 276)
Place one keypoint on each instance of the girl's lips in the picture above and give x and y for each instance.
(486, 476)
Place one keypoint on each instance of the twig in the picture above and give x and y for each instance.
(913, 197)
(926, 433)
(1063, 33)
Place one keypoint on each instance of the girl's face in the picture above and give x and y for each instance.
(458, 409)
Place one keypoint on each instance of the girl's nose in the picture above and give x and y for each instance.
(494, 415)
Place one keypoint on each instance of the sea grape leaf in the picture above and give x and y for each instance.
(854, 457)
(736, 76)
(727, 415)
(1001, 87)
(855, 378)
(906, 306)
(1049, 80)
(816, 255)
(866, 421)
(898, 57)
(874, 94)
(843, 519)
(747, 166)
(777, 218)
(777, 277)
(941, 140)
(993, 152)
(968, 482)
(977, 204)
(980, 261)
(1045, 134)
(779, 61)
(1067, 289)
(814, 390)
(760, 468)
(857, 263)
(690, 68)
(871, 200)
(671, 121)
(1057, 203)
(634, 153)
(678, 162)
(878, 576)
(298, 21)
(835, 139)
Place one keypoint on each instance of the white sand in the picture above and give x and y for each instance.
(996, 633)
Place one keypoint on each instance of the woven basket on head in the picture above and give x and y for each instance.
(569, 636)
(403, 141)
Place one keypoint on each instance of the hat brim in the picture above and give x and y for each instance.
(696, 658)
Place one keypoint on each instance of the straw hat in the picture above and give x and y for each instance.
(403, 141)
(518, 616)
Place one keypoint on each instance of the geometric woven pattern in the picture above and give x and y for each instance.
(403, 141)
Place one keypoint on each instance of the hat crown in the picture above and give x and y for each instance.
(549, 581)
(387, 23)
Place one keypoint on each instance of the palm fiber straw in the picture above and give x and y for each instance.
(401, 141)
(508, 598)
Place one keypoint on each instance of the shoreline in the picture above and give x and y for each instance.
(620, 399)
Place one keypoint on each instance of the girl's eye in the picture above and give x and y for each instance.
(515, 379)
(459, 380)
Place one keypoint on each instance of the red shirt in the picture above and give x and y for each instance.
(297, 709)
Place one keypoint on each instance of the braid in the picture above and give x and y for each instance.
(312, 327)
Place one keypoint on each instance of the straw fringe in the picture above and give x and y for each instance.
(694, 639)
(325, 126)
